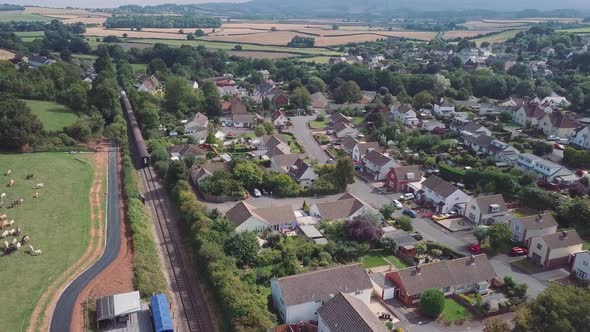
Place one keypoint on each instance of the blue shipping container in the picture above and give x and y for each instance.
(161, 313)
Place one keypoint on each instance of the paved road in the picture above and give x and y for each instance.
(62, 314)
(305, 137)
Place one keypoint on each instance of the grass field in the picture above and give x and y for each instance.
(20, 17)
(54, 116)
(317, 59)
(57, 222)
(6, 55)
(498, 38)
(578, 30)
(453, 311)
(314, 124)
(139, 68)
(379, 258)
(29, 34)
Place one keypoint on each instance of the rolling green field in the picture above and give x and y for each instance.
(19, 17)
(57, 222)
(53, 115)
(29, 33)
(498, 38)
(577, 30)
(317, 59)
(227, 46)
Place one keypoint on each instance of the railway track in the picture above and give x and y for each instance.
(193, 311)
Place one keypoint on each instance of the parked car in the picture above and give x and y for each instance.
(474, 248)
(581, 172)
(407, 197)
(257, 193)
(417, 236)
(563, 140)
(357, 167)
(438, 217)
(552, 138)
(518, 251)
(398, 204)
(411, 213)
(558, 146)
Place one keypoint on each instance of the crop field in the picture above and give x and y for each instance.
(54, 116)
(464, 33)
(57, 222)
(22, 17)
(493, 25)
(577, 30)
(317, 59)
(497, 38)
(6, 55)
(262, 55)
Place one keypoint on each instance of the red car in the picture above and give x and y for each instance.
(474, 248)
(581, 172)
(558, 146)
(518, 251)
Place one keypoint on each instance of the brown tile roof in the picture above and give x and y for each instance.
(409, 172)
(404, 108)
(282, 161)
(563, 239)
(185, 150)
(298, 169)
(339, 117)
(318, 100)
(272, 140)
(445, 273)
(349, 143)
(559, 120)
(538, 221)
(198, 171)
(320, 284)
(365, 146)
(377, 158)
(237, 106)
(484, 202)
(345, 312)
(340, 209)
(534, 111)
(276, 215)
(439, 186)
(276, 114)
(340, 126)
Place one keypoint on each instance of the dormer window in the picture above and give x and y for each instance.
(494, 208)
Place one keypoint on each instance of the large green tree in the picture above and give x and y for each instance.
(301, 98)
(344, 172)
(243, 246)
(212, 99)
(349, 92)
(18, 126)
(248, 173)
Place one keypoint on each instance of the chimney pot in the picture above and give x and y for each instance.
(564, 235)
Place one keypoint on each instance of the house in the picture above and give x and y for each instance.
(348, 144)
(279, 119)
(400, 237)
(220, 135)
(180, 152)
(246, 217)
(399, 177)
(149, 84)
(201, 172)
(197, 127)
(274, 145)
(344, 312)
(361, 148)
(511, 102)
(377, 165)
(297, 298)
(278, 98)
(581, 137)
(553, 102)
(554, 249)
(544, 169)
(581, 265)
(39, 60)
(483, 209)
(405, 114)
(303, 173)
(457, 276)
(282, 162)
(342, 130)
(319, 101)
(442, 195)
(346, 207)
(265, 74)
(469, 128)
(443, 109)
(434, 126)
(528, 115)
(558, 124)
(524, 228)
(339, 117)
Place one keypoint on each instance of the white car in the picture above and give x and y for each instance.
(257, 193)
(397, 204)
(409, 196)
(552, 138)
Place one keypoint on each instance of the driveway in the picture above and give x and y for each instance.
(305, 137)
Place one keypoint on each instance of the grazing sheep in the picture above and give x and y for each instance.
(36, 194)
(4, 234)
(30, 176)
(25, 239)
(8, 172)
(34, 252)
(17, 245)
(17, 232)
(9, 250)
(3, 196)
(39, 186)
(11, 183)
(3, 216)
(5, 244)
(5, 224)
(14, 241)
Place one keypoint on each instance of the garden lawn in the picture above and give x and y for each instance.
(374, 260)
(454, 311)
(57, 222)
(357, 120)
(586, 244)
(138, 68)
(53, 115)
(398, 263)
(319, 124)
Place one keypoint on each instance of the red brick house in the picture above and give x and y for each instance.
(399, 177)
(279, 99)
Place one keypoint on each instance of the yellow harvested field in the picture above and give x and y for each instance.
(261, 55)
(6, 55)
(63, 11)
(167, 30)
(465, 33)
(536, 20)
(482, 25)
(102, 32)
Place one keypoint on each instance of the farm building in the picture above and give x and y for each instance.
(122, 312)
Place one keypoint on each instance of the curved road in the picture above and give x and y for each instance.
(62, 313)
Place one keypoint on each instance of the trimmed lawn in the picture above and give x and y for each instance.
(30, 34)
(398, 263)
(526, 265)
(58, 223)
(357, 120)
(53, 115)
(313, 124)
(139, 68)
(454, 311)
(374, 260)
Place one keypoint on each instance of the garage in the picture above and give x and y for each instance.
(382, 286)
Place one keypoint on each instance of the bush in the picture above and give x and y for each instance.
(405, 223)
(432, 302)
(450, 173)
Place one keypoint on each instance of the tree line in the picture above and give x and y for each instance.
(168, 21)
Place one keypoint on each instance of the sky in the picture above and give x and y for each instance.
(106, 3)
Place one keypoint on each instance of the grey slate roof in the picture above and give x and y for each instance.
(345, 312)
(320, 284)
(446, 273)
(343, 208)
(439, 186)
(538, 221)
(377, 158)
(484, 202)
(298, 169)
(562, 239)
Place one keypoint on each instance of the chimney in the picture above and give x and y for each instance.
(564, 235)
(418, 269)
(472, 260)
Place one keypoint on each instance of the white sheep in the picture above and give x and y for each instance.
(11, 183)
(12, 231)
(3, 196)
(34, 252)
(5, 244)
(14, 241)
(18, 245)
(39, 186)
(8, 172)
(4, 234)
(3, 216)
(36, 194)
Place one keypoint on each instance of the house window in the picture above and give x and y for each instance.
(539, 246)
(358, 292)
(472, 207)
(446, 289)
(581, 274)
(585, 263)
